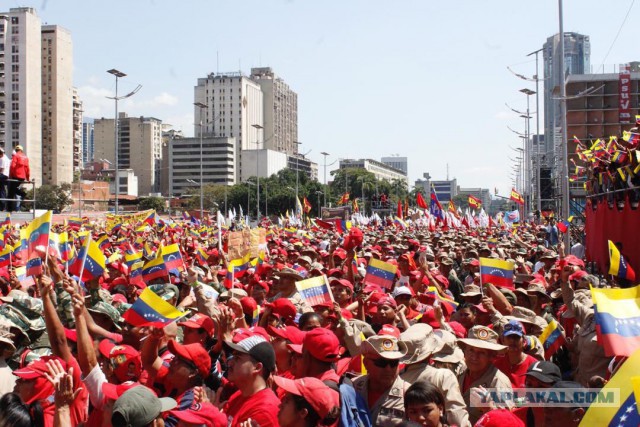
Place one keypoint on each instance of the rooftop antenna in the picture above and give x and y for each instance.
(447, 171)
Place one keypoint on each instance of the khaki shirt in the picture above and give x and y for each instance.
(445, 381)
(589, 354)
(492, 378)
(389, 409)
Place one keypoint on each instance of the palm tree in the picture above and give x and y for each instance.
(368, 182)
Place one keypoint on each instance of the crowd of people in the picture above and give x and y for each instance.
(251, 351)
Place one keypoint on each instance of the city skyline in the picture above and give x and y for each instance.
(426, 78)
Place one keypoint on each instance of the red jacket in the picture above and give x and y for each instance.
(19, 167)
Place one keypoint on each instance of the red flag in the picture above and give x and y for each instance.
(420, 201)
(399, 212)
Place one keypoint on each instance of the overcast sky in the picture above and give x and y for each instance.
(420, 78)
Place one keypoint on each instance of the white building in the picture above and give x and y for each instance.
(264, 162)
(234, 105)
(21, 85)
(397, 162)
(57, 105)
(78, 132)
(128, 183)
(280, 105)
(378, 169)
(217, 160)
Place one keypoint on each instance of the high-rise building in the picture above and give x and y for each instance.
(234, 110)
(57, 105)
(400, 163)
(280, 107)
(87, 141)
(577, 54)
(21, 85)
(78, 154)
(140, 148)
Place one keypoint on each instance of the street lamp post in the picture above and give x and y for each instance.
(528, 156)
(563, 113)
(298, 144)
(117, 75)
(257, 127)
(249, 183)
(202, 107)
(324, 203)
(318, 193)
(537, 155)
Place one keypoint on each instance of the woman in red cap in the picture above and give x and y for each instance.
(307, 403)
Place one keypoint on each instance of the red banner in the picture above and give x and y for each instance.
(624, 86)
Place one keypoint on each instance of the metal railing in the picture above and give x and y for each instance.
(7, 200)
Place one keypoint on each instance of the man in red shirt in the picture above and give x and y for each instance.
(515, 363)
(252, 362)
(18, 173)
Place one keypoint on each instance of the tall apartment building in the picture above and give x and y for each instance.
(87, 141)
(77, 132)
(400, 163)
(57, 105)
(234, 105)
(21, 85)
(577, 54)
(280, 111)
(140, 147)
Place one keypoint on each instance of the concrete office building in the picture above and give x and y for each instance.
(263, 162)
(379, 169)
(483, 194)
(280, 108)
(397, 162)
(77, 133)
(234, 105)
(140, 148)
(21, 85)
(168, 136)
(298, 162)
(87, 141)
(57, 106)
(218, 162)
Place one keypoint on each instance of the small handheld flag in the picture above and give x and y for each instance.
(496, 272)
(380, 273)
(315, 290)
(151, 310)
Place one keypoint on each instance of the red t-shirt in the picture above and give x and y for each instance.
(516, 373)
(262, 407)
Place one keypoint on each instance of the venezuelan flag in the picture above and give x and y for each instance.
(23, 278)
(135, 273)
(201, 256)
(38, 231)
(432, 293)
(103, 242)
(67, 249)
(617, 314)
(315, 290)
(6, 221)
(90, 262)
(151, 310)
(624, 414)
(618, 266)
(5, 256)
(552, 338)
(492, 242)
(380, 273)
(34, 265)
(131, 256)
(400, 223)
(75, 223)
(172, 257)
(496, 272)
(155, 269)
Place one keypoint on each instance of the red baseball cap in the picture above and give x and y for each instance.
(389, 330)
(198, 321)
(71, 334)
(194, 353)
(242, 333)
(114, 391)
(126, 361)
(459, 330)
(322, 344)
(38, 368)
(499, 418)
(321, 398)
(249, 305)
(580, 274)
(341, 282)
(429, 317)
(283, 308)
(288, 333)
(203, 413)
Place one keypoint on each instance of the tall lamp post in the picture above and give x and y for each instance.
(318, 193)
(202, 107)
(537, 155)
(249, 183)
(563, 113)
(298, 144)
(529, 92)
(324, 202)
(116, 98)
(258, 128)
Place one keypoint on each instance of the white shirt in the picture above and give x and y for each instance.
(5, 164)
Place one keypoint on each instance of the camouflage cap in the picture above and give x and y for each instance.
(102, 307)
(166, 291)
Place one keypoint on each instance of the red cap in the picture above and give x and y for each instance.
(71, 334)
(283, 308)
(340, 253)
(198, 321)
(289, 333)
(322, 344)
(574, 260)
(114, 391)
(335, 272)
(120, 298)
(389, 330)
(105, 347)
(194, 353)
(264, 285)
(321, 398)
(580, 274)
(203, 413)
(38, 368)
(126, 362)
(353, 239)
(459, 330)
(242, 333)
(341, 282)
(499, 418)
(387, 300)
(475, 263)
(249, 305)
(429, 317)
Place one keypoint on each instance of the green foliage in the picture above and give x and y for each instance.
(51, 197)
(157, 203)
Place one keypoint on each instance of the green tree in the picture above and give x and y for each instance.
(51, 197)
(157, 203)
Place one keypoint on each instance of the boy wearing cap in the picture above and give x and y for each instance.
(515, 364)
(251, 364)
(382, 387)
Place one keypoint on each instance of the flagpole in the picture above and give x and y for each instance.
(84, 259)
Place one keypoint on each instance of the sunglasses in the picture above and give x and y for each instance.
(383, 363)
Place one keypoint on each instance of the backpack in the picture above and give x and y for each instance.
(354, 411)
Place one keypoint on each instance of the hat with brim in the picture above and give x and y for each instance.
(482, 337)
(385, 346)
(471, 291)
(290, 273)
(421, 343)
(450, 353)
